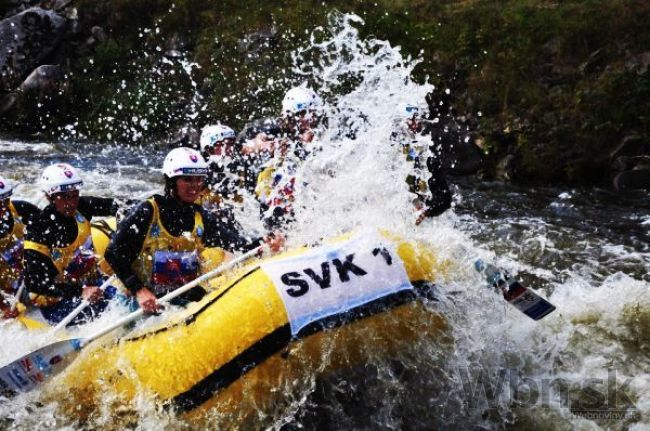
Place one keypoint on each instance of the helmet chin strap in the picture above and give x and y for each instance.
(170, 187)
(170, 191)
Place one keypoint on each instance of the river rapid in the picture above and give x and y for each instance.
(585, 366)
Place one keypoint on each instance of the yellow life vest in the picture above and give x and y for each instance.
(166, 261)
(264, 186)
(76, 263)
(276, 186)
(11, 254)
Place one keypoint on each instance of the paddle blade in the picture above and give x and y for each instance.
(34, 369)
(527, 301)
(521, 297)
(31, 324)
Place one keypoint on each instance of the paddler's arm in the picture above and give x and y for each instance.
(27, 211)
(91, 206)
(224, 235)
(126, 244)
(123, 250)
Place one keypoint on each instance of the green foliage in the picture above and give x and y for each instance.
(557, 83)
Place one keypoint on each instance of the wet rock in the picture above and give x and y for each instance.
(99, 34)
(634, 179)
(44, 79)
(506, 167)
(7, 102)
(621, 163)
(73, 25)
(27, 39)
(631, 159)
(639, 63)
(13, 7)
(631, 146)
(55, 5)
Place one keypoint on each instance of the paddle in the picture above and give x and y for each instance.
(81, 307)
(13, 301)
(18, 295)
(521, 297)
(33, 369)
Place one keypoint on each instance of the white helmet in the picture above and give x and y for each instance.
(60, 178)
(300, 99)
(183, 161)
(215, 133)
(408, 110)
(6, 188)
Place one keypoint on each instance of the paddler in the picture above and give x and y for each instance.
(158, 246)
(15, 215)
(432, 196)
(60, 262)
(224, 186)
(276, 184)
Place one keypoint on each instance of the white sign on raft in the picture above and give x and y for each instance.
(336, 278)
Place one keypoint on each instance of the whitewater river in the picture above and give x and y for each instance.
(585, 366)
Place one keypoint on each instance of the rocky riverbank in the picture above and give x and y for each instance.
(553, 92)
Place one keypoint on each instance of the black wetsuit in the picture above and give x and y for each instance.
(176, 217)
(28, 212)
(440, 198)
(54, 230)
(448, 141)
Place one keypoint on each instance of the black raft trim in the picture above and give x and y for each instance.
(280, 339)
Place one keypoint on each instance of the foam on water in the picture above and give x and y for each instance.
(499, 357)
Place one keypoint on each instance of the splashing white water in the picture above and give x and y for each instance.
(601, 324)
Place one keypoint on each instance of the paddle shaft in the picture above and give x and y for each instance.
(18, 295)
(173, 294)
(81, 307)
(33, 369)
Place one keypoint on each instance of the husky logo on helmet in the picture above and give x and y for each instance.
(184, 162)
(67, 172)
(191, 171)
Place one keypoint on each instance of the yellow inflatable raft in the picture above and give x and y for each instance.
(312, 310)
